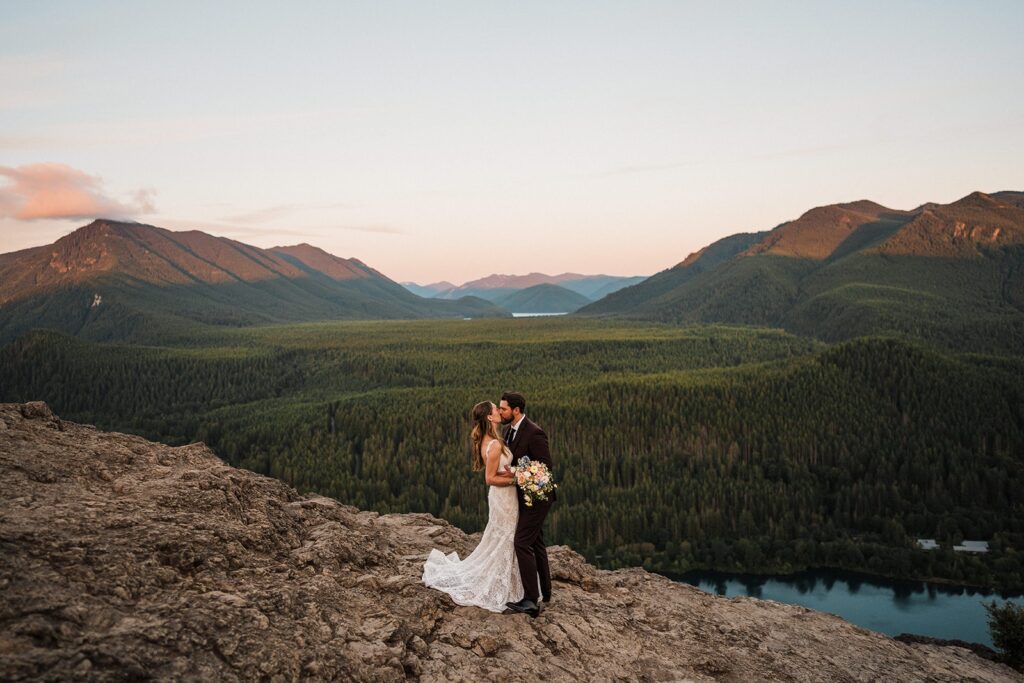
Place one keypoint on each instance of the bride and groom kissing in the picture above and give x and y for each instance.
(508, 570)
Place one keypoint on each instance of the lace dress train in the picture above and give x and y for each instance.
(489, 576)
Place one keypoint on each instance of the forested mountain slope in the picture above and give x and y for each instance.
(951, 274)
(115, 280)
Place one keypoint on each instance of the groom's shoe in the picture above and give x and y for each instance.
(545, 598)
(524, 606)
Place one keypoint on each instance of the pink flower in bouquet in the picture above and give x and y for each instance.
(534, 480)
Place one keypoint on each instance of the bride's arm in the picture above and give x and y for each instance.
(492, 476)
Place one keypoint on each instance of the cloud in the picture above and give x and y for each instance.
(147, 132)
(271, 213)
(622, 170)
(219, 228)
(242, 231)
(383, 229)
(262, 215)
(806, 151)
(49, 190)
(767, 156)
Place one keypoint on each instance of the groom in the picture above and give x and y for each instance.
(523, 437)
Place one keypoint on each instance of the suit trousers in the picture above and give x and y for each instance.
(531, 553)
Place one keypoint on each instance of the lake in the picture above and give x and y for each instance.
(890, 607)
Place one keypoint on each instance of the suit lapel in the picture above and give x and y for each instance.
(520, 444)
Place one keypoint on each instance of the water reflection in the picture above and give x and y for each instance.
(891, 607)
(801, 585)
(754, 586)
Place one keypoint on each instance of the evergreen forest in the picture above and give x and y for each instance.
(677, 447)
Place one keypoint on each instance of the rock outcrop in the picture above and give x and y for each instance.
(123, 559)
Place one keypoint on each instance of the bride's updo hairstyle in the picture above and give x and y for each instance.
(481, 427)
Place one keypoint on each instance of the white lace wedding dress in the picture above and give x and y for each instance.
(489, 576)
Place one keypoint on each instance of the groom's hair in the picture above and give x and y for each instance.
(514, 400)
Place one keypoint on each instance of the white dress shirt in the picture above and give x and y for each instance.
(515, 428)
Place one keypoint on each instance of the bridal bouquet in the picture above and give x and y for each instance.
(534, 479)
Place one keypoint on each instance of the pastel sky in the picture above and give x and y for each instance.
(450, 140)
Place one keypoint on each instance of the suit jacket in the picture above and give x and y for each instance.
(532, 442)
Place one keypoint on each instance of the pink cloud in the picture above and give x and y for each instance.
(47, 190)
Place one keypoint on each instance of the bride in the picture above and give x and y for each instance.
(489, 576)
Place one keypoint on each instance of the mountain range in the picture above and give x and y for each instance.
(542, 298)
(556, 296)
(119, 280)
(949, 273)
(946, 273)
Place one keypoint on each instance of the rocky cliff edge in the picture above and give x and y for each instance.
(123, 559)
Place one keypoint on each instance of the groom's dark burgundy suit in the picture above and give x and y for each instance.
(531, 441)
